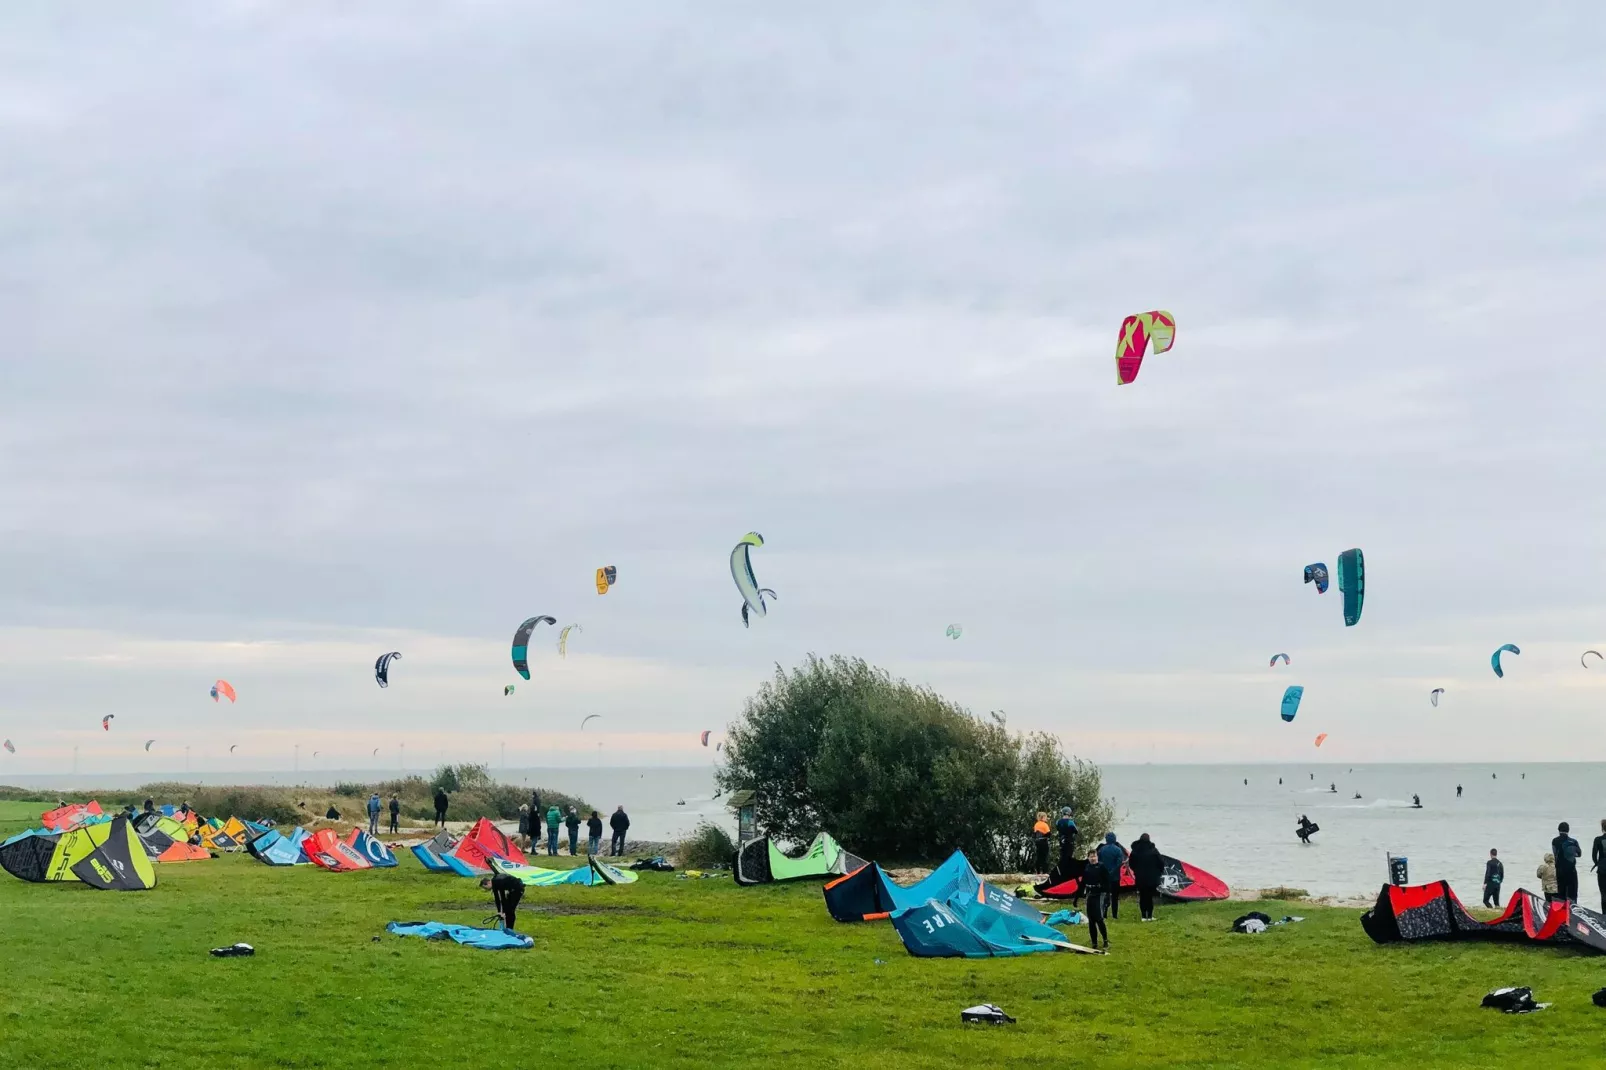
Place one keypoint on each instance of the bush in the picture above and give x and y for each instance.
(896, 772)
(352, 791)
(707, 848)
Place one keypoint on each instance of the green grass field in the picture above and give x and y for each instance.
(672, 973)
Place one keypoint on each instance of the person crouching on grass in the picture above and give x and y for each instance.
(506, 892)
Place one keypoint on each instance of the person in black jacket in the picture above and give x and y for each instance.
(1095, 881)
(395, 812)
(1597, 858)
(1065, 827)
(1146, 871)
(593, 833)
(506, 891)
(571, 821)
(1494, 874)
(1567, 854)
(441, 802)
(619, 821)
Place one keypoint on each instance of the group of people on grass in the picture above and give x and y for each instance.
(530, 820)
(1098, 872)
(1558, 873)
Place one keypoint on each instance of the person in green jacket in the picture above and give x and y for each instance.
(554, 821)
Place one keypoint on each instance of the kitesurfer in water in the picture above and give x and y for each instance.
(1567, 853)
(1306, 827)
(1597, 859)
(1332, 789)
(1458, 791)
(1494, 872)
(1416, 802)
(1357, 795)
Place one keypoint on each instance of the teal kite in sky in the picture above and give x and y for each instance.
(1291, 699)
(1352, 581)
(521, 643)
(1494, 659)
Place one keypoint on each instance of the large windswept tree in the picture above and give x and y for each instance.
(896, 771)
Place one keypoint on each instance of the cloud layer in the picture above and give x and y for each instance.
(332, 332)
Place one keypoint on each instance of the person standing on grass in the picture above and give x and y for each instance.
(536, 812)
(554, 820)
(1040, 831)
(524, 825)
(619, 821)
(571, 821)
(1494, 874)
(1567, 853)
(1146, 870)
(395, 814)
(593, 833)
(1112, 856)
(1065, 827)
(375, 805)
(1094, 885)
(441, 802)
(1597, 856)
(1547, 877)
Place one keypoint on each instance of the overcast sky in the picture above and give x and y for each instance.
(327, 330)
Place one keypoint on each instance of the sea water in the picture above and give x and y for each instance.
(1244, 833)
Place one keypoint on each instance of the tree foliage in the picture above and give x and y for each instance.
(897, 772)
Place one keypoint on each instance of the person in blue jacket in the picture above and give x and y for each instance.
(1112, 856)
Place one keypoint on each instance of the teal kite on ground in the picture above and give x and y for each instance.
(1494, 659)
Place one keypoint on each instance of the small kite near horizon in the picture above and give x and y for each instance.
(1494, 659)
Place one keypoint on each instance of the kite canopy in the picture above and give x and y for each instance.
(1320, 738)
(963, 926)
(607, 576)
(1145, 331)
(705, 737)
(382, 668)
(521, 643)
(954, 631)
(467, 935)
(108, 856)
(1352, 581)
(148, 743)
(868, 893)
(224, 688)
(1586, 654)
(746, 583)
(1274, 658)
(563, 638)
(506, 691)
(1317, 574)
(106, 722)
(760, 861)
(1494, 659)
(1291, 699)
(1179, 880)
(586, 718)
(11, 747)
(1433, 696)
(1432, 912)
